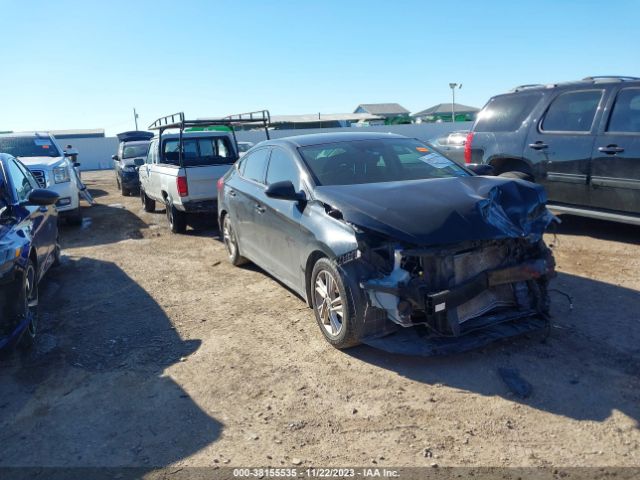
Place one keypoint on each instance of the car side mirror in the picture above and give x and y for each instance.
(284, 191)
(481, 169)
(76, 164)
(71, 152)
(114, 157)
(42, 197)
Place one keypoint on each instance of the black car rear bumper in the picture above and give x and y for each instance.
(204, 206)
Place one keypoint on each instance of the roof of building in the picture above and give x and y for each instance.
(383, 108)
(444, 108)
(78, 133)
(319, 117)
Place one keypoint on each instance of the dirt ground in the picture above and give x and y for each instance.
(154, 351)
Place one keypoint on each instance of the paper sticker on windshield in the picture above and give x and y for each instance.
(42, 142)
(422, 149)
(437, 161)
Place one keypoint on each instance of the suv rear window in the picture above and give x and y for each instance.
(572, 111)
(626, 112)
(506, 113)
(199, 151)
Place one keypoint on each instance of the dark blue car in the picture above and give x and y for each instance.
(28, 248)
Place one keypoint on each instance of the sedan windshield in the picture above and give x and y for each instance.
(132, 151)
(28, 147)
(376, 161)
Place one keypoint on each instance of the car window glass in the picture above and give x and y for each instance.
(506, 113)
(625, 116)
(222, 148)
(27, 173)
(21, 185)
(572, 112)
(254, 165)
(150, 153)
(282, 167)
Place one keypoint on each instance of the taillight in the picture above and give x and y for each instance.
(467, 147)
(220, 183)
(183, 188)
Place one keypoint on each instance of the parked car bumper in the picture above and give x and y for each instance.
(201, 206)
(130, 180)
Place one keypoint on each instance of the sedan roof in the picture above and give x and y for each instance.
(321, 138)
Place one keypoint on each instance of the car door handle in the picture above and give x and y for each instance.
(538, 145)
(611, 149)
(260, 209)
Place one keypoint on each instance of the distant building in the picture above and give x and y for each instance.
(393, 113)
(442, 113)
(324, 120)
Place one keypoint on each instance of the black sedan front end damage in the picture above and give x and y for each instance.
(490, 284)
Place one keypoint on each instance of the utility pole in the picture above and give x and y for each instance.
(135, 117)
(453, 86)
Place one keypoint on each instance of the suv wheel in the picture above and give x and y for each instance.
(30, 308)
(231, 242)
(177, 219)
(148, 204)
(75, 218)
(518, 175)
(333, 307)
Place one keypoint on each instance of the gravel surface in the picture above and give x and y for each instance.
(154, 351)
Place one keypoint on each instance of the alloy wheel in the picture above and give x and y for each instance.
(31, 301)
(229, 237)
(328, 303)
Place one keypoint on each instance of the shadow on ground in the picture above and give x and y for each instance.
(93, 391)
(602, 229)
(586, 369)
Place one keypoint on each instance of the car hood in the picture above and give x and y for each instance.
(44, 162)
(444, 210)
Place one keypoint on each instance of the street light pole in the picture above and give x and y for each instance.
(453, 86)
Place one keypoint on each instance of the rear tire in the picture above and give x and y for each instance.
(333, 306)
(177, 219)
(30, 309)
(148, 204)
(125, 191)
(75, 218)
(518, 175)
(231, 243)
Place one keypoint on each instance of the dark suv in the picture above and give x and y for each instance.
(581, 140)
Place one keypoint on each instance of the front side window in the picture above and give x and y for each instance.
(22, 187)
(282, 167)
(376, 161)
(625, 117)
(254, 164)
(572, 111)
(506, 113)
(28, 147)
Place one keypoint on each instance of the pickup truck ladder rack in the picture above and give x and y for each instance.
(176, 120)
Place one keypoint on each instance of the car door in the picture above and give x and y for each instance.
(561, 143)
(615, 166)
(34, 221)
(246, 191)
(282, 236)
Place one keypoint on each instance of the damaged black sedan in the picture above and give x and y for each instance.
(391, 243)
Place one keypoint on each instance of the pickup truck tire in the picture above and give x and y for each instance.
(75, 218)
(177, 219)
(148, 204)
(29, 298)
(231, 243)
(518, 175)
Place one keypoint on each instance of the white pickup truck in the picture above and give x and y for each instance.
(190, 187)
(182, 169)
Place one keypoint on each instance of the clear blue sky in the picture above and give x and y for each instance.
(85, 64)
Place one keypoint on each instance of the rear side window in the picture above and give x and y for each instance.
(506, 113)
(254, 165)
(572, 111)
(625, 117)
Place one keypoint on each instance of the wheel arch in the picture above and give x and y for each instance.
(502, 164)
(312, 258)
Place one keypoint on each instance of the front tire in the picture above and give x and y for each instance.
(148, 204)
(231, 243)
(177, 219)
(30, 307)
(333, 306)
(75, 218)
